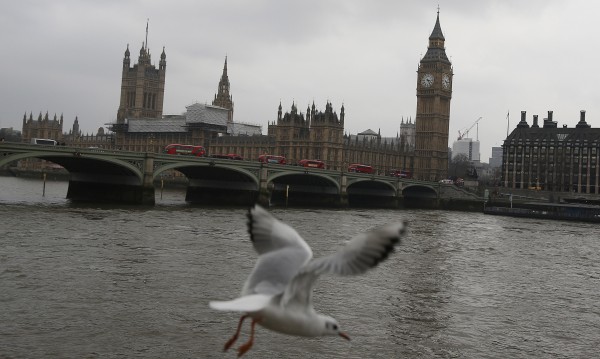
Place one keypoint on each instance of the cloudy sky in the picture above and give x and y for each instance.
(65, 57)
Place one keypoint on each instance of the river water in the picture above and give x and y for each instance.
(100, 281)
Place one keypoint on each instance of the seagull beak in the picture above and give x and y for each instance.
(344, 335)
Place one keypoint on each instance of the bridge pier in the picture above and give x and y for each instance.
(264, 193)
(343, 200)
(147, 190)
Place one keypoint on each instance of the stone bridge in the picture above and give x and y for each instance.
(130, 177)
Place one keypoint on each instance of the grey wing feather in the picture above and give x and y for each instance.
(360, 254)
(268, 233)
(282, 253)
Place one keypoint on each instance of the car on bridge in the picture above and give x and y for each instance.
(401, 173)
(185, 150)
(229, 156)
(312, 163)
(272, 159)
(43, 141)
(360, 168)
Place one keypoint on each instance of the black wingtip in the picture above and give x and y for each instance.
(250, 222)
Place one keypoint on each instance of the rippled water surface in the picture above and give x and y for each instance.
(97, 281)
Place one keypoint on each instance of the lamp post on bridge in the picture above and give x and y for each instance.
(150, 142)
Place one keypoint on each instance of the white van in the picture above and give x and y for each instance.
(43, 141)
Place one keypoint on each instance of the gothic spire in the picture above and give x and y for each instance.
(436, 51)
(223, 98)
(437, 34)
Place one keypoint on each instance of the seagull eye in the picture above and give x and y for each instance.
(335, 327)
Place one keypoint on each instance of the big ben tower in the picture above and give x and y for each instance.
(434, 91)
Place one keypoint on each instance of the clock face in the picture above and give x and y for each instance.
(446, 81)
(427, 80)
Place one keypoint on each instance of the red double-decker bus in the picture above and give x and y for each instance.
(312, 163)
(272, 159)
(360, 168)
(185, 150)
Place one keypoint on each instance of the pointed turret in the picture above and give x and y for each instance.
(163, 60)
(76, 127)
(279, 111)
(126, 58)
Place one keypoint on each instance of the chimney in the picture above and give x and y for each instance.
(582, 123)
(523, 123)
(535, 122)
(548, 123)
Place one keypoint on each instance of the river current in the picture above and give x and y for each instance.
(108, 281)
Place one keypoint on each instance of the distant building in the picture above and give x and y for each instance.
(368, 135)
(408, 133)
(552, 158)
(496, 160)
(9, 134)
(467, 147)
(44, 127)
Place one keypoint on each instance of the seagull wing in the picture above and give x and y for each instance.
(248, 303)
(360, 254)
(282, 252)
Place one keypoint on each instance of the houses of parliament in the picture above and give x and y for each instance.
(420, 146)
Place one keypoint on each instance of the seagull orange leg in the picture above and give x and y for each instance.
(246, 346)
(237, 333)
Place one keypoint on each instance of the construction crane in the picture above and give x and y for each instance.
(465, 133)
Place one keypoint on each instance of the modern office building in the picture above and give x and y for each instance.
(467, 147)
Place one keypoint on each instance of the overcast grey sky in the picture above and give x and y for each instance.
(65, 57)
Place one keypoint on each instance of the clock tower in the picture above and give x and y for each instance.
(432, 121)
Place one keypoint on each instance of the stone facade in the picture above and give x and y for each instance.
(318, 136)
(43, 127)
(142, 87)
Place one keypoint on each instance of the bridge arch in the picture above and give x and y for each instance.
(75, 162)
(370, 182)
(370, 192)
(303, 188)
(308, 177)
(420, 196)
(415, 190)
(178, 166)
(212, 182)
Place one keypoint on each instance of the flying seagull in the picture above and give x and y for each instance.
(278, 293)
